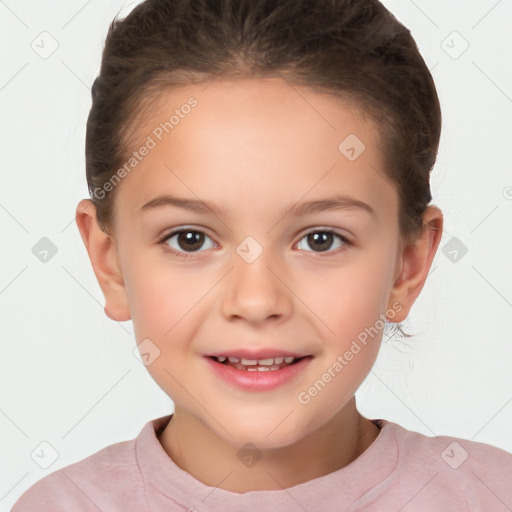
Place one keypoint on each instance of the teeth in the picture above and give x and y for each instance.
(253, 362)
(246, 362)
(266, 362)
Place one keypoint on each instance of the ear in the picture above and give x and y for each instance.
(103, 255)
(414, 263)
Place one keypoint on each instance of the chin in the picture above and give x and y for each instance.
(264, 435)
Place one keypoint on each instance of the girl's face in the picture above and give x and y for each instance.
(262, 155)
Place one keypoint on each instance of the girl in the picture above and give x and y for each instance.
(259, 180)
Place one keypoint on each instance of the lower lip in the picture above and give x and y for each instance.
(258, 380)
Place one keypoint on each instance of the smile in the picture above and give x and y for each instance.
(257, 374)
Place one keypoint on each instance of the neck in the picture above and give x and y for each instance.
(201, 453)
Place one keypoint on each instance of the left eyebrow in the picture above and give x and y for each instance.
(180, 202)
(338, 202)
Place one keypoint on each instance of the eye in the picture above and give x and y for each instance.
(323, 240)
(186, 240)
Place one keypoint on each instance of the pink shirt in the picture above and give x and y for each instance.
(401, 471)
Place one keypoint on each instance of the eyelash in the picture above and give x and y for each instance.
(347, 243)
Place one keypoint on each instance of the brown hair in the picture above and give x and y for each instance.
(351, 49)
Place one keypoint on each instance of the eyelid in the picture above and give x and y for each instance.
(179, 229)
(322, 229)
(314, 229)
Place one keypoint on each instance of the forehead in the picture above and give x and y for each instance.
(258, 138)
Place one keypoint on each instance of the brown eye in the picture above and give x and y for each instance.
(186, 240)
(322, 241)
(190, 240)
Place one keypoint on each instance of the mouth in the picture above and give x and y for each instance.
(255, 370)
(259, 365)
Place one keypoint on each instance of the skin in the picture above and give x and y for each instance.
(256, 148)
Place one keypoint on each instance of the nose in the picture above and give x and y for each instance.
(256, 291)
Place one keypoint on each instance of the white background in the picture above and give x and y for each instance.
(67, 373)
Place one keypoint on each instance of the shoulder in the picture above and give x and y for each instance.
(479, 473)
(454, 452)
(94, 483)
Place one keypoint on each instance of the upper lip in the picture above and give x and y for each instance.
(256, 354)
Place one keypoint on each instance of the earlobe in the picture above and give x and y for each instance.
(103, 256)
(416, 260)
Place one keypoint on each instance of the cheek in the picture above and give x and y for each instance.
(350, 300)
(159, 299)
(164, 307)
(355, 314)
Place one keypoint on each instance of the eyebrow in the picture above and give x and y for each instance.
(299, 209)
